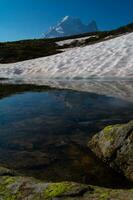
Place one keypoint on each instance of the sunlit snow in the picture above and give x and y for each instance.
(112, 58)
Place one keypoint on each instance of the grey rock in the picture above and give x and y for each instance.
(114, 145)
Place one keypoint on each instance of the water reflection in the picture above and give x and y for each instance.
(120, 89)
(45, 134)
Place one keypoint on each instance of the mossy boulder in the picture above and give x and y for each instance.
(25, 188)
(114, 145)
(21, 188)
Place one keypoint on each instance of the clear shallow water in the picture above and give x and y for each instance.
(45, 134)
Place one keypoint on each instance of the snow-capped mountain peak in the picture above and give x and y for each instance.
(70, 26)
(66, 18)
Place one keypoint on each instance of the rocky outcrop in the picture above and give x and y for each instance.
(114, 145)
(14, 187)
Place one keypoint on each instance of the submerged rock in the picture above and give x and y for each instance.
(114, 145)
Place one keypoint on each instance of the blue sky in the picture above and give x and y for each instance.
(21, 19)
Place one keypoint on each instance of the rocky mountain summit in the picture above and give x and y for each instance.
(70, 26)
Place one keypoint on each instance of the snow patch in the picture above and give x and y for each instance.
(69, 41)
(112, 58)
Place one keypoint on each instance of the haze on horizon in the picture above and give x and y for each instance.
(31, 18)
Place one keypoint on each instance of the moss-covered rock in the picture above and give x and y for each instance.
(66, 189)
(24, 188)
(114, 145)
(57, 189)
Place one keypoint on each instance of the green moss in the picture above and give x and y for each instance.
(102, 193)
(3, 186)
(9, 180)
(5, 192)
(108, 128)
(108, 132)
(14, 197)
(104, 196)
(56, 189)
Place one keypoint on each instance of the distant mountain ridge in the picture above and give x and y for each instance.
(71, 26)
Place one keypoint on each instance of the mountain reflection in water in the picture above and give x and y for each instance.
(45, 133)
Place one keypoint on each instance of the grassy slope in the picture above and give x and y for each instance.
(11, 52)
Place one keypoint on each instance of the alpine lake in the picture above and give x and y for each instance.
(45, 129)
